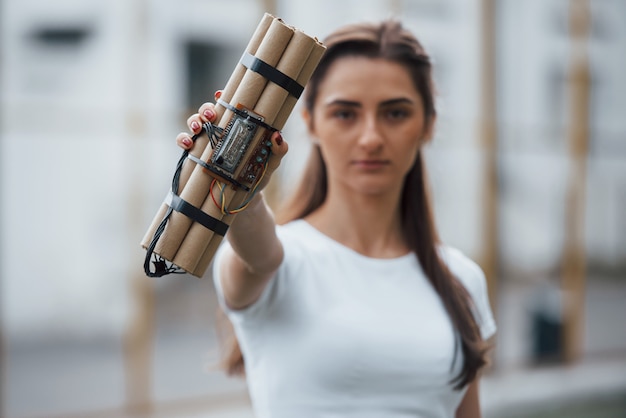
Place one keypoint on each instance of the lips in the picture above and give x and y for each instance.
(371, 164)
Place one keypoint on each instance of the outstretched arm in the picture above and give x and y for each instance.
(254, 256)
(256, 252)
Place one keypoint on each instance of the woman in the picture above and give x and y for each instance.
(352, 306)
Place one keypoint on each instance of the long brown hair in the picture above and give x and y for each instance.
(389, 40)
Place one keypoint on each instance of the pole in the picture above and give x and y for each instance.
(395, 7)
(3, 351)
(489, 138)
(139, 335)
(573, 279)
(270, 6)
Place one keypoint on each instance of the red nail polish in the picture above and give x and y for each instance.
(279, 139)
(209, 114)
(187, 142)
(218, 94)
(195, 126)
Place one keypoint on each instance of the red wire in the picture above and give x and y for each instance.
(213, 197)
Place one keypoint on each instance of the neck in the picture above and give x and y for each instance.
(369, 224)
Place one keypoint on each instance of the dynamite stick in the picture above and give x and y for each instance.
(236, 154)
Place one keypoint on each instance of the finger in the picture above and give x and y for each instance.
(279, 149)
(207, 112)
(184, 141)
(195, 123)
(279, 145)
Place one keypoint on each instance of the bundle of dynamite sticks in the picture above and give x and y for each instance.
(221, 171)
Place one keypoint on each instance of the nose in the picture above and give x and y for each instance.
(371, 138)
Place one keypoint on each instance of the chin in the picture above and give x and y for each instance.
(374, 188)
(373, 185)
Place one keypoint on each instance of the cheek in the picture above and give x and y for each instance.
(334, 143)
(409, 160)
(408, 152)
(412, 159)
(330, 152)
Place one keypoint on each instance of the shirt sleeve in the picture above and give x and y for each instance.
(473, 278)
(482, 306)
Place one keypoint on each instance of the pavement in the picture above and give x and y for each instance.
(71, 377)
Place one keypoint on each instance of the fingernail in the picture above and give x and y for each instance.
(209, 114)
(218, 94)
(279, 139)
(195, 126)
(187, 142)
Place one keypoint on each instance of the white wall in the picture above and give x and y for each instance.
(88, 151)
(87, 148)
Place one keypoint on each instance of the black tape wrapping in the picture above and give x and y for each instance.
(180, 205)
(272, 74)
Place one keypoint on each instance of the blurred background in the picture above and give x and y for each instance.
(528, 171)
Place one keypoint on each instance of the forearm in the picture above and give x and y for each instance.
(253, 238)
(254, 256)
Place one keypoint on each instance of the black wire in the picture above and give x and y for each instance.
(162, 266)
(214, 133)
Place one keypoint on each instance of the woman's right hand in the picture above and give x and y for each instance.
(206, 113)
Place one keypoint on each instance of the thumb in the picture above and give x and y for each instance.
(279, 150)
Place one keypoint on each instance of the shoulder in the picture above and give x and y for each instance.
(294, 230)
(300, 239)
(472, 277)
(463, 267)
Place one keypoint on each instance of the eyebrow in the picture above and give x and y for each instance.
(390, 102)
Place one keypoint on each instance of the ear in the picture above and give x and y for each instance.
(308, 119)
(429, 129)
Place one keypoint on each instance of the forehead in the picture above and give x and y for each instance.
(362, 78)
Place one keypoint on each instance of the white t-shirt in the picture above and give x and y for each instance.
(339, 334)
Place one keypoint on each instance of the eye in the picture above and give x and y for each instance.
(343, 114)
(397, 114)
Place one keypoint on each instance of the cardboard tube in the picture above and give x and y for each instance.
(207, 257)
(291, 64)
(303, 79)
(247, 93)
(270, 51)
(237, 75)
(202, 141)
(269, 104)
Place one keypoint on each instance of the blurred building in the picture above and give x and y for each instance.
(534, 111)
(93, 94)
